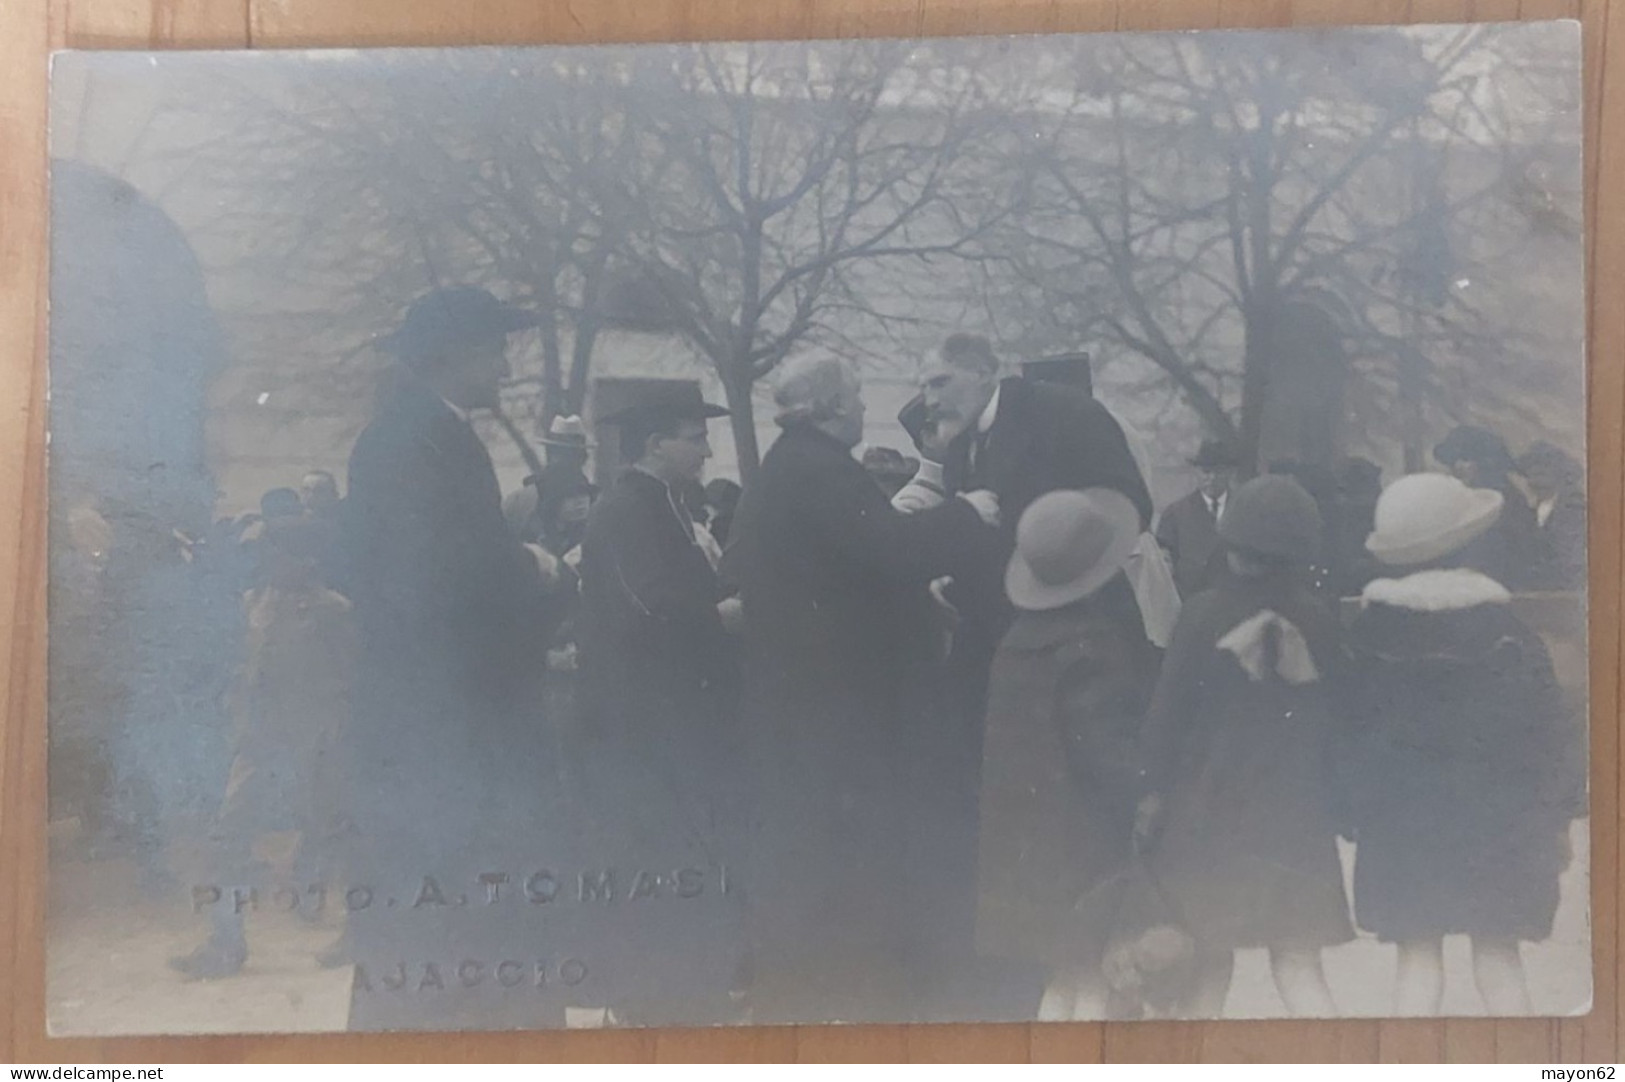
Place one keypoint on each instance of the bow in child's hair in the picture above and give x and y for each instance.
(1267, 643)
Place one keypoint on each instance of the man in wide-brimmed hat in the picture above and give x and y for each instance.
(441, 586)
(447, 601)
(567, 432)
(1188, 529)
(567, 451)
(550, 507)
(652, 623)
(658, 669)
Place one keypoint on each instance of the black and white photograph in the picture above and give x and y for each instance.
(991, 529)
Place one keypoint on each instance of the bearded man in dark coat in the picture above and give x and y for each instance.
(446, 759)
(827, 569)
(1021, 438)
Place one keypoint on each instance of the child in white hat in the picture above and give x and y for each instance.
(1464, 767)
(1059, 779)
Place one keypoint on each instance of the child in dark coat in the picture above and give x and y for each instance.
(1069, 687)
(1465, 767)
(1239, 827)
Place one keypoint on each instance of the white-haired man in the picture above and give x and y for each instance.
(828, 570)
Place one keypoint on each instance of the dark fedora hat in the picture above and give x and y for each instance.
(1216, 454)
(451, 318)
(676, 398)
(1472, 443)
(1547, 457)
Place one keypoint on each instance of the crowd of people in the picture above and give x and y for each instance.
(934, 719)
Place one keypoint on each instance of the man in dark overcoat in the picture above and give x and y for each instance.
(653, 637)
(445, 758)
(1557, 482)
(827, 570)
(1189, 527)
(659, 679)
(1021, 438)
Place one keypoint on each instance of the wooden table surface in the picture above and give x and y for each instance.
(29, 29)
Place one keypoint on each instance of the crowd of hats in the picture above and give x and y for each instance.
(1069, 544)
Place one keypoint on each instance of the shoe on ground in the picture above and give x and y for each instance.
(214, 960)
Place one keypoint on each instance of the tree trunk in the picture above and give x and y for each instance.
(1260, 322)
(737, 386)
(575, 396)
(1408, 378)
(552, 355)
(588, 324)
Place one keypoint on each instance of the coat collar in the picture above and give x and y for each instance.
(1451, 618)
(1007, 437)
(810, 433)
(990, 412)
(1450, 590)
(1034, 632)
(634, 478)
(457, 411)
(431, 419)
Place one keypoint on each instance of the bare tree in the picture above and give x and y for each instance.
(730, 194)
(787, 170)
(1192, 209)
(352, 193)
(1216, 205)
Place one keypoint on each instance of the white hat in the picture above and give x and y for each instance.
(1428, 515)
(566, 432)
(1068, 545)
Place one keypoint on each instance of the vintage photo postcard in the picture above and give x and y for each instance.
(992, 529)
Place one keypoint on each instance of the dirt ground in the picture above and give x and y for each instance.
(108, 972)
(107, 966)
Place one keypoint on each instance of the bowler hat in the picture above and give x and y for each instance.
(1424, 516)
(1216, 454)
(1358, 476)
(676, 398)
(1470, 443)
(451, 318)
(1068, 545)
(566, 432)
(1272, 515)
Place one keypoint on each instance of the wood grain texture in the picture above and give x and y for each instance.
(28, 28)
